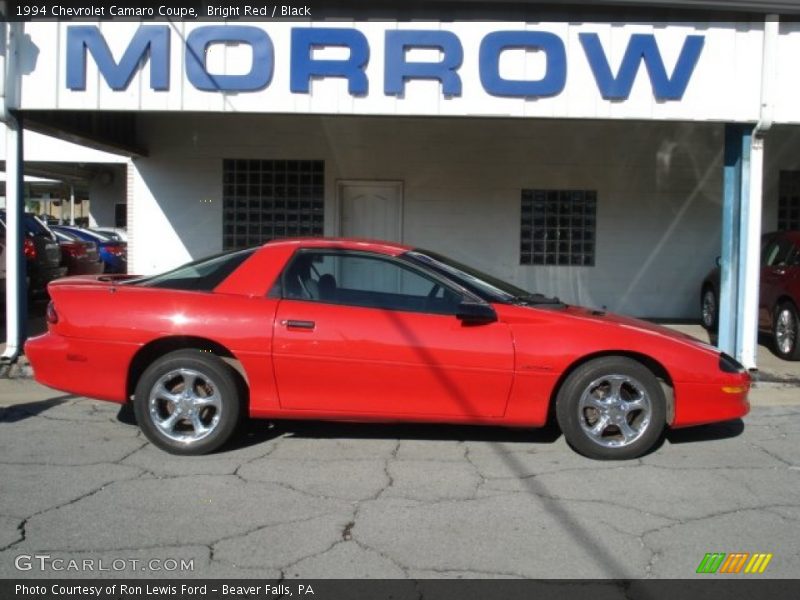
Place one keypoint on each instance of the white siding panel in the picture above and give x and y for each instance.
(725, 84)
(177, 213)
(787, 83)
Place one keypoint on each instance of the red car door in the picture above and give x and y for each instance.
(776, 270)
(365, 334)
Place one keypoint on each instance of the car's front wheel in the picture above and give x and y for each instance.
(611, 408)
(785, 327)
(188, 402)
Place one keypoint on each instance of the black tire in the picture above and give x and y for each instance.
(204, 417)
(639, 402)
(786, 331)
(709, 309)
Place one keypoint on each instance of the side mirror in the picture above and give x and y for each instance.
(718, 261)
(475, 313)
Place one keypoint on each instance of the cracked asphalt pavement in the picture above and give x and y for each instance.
(317, 500)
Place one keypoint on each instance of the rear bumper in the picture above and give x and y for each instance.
(114, 263)
(702, 403)
(81, 367)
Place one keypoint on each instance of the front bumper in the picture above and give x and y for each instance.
(703, 403)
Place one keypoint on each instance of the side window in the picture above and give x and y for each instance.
(794, 256)
(357, 279)
(778, 253)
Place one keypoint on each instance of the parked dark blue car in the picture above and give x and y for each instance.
(114, 254)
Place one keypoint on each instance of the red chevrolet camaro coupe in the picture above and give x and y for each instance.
(371, 331)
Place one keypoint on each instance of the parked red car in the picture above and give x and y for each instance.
(371, 331)
(80, 257)
(779, 293)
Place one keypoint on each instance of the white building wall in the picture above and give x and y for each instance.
(106, 190)
(659, 193)
(45, 148)
(782, 153)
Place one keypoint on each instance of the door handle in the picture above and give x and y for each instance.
(296, 324)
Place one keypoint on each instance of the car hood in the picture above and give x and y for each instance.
(602, 318)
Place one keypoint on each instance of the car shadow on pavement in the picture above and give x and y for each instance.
(251, 433)
(125, 414)
(416, 431)
(706, 433)
(20, 412)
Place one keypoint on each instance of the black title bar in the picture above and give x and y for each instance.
(447, 10)
(709, 587)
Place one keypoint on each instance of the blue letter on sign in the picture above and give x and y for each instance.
(642, 47)
(152, 39)
(493, 45)
(260, 71)
(304, 67)
(398, 70)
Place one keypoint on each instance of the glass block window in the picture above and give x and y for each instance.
(789, 200)
(269, 199)
(558, 227)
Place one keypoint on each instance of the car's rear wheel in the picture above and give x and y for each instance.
(188, 402)
(785, 331)
(709, 310)
(611, 408)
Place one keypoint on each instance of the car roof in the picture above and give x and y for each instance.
(381, 246)
(794, 236)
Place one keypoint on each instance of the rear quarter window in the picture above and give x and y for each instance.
(199, 276)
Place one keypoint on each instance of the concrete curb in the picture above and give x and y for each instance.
(18, 369)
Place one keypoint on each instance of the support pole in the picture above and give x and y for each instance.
(750, 259)
(741, 234)
(736, 142)
(16, 276)
(72, 205)
(750, 264)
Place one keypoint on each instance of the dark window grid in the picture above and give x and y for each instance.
(789, 200)
(558, 227)
(267, 199)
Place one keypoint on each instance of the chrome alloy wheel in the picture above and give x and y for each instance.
(185, 405)
(709, 309)
(614, 410)
(785, 330)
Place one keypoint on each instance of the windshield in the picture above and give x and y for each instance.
(201, 275)
(103, 237)
(107, 235)
(66, 237)
(483, 285)
(35, 226)
(85, 234)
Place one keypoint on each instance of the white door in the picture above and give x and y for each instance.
(371, 209)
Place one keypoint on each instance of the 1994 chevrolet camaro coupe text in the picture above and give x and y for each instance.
(371, 331)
